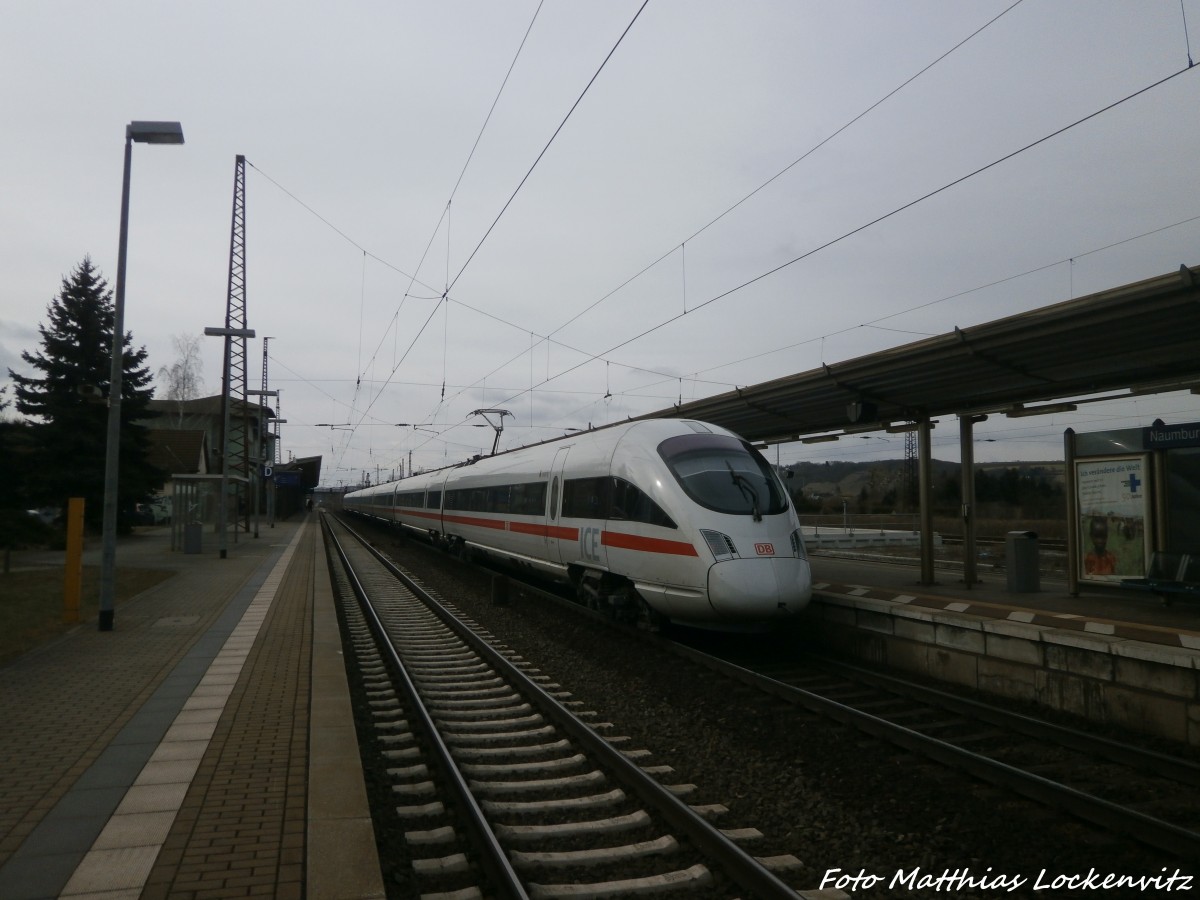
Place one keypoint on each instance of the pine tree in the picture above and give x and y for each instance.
(12, 433)
(66, 400)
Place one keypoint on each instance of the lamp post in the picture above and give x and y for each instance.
(143, 133)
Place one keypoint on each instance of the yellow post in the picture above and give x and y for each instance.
(73, 579)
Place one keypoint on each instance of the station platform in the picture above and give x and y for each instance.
(1109, 655)
(204, 747)
(1136, 611)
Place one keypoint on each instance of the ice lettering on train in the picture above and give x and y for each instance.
(589, 543)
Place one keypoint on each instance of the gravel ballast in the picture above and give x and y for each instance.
(858, 814)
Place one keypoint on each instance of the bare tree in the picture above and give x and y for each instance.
(182, 380)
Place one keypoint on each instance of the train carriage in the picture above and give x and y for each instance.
(660, 518)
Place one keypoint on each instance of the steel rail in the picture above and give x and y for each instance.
(494, 860)
(1143, 828)
(735, 862)
(1114, 817)
(1174, 768)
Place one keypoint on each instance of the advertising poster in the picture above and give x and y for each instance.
(1112, 518)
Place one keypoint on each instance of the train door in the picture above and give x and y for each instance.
(555, 533)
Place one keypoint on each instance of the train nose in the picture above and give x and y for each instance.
(758, 588)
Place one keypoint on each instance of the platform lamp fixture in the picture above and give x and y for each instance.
(143, 133)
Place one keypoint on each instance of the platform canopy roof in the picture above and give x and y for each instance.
(1141, 338)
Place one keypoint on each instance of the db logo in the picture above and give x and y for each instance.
(764, 549)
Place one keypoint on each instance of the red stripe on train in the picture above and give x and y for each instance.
(497, 524)
(418, 514)
(646, 544)
(614, 539)
(549, 531)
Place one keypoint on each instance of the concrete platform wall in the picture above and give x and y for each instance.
(1146, 687)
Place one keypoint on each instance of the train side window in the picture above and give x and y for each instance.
(498, 499)
(434, 500)
(587, 498)
(631, 503)
(528, 499)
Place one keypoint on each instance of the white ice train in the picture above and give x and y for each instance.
(659, 519)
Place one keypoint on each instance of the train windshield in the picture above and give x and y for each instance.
(723, 474)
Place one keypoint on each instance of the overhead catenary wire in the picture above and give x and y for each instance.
(803, 156)
(462, 173)
(413, 279)
(882, 218)
(1186, 39)
(448, 299)
(557, 130)
(875, 323)
(488, 117)
(897, 210)
(681, 246)
(445, 295)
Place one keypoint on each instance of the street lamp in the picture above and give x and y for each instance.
(143, 133)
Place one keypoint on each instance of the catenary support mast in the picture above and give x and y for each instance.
(234, 414)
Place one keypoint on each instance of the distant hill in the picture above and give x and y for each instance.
(838, 478)
(1053, 470)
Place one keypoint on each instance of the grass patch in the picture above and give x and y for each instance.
(31, 603)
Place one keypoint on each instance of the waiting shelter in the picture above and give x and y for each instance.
(1131, 493)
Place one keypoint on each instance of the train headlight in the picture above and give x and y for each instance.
(720, 544)
(798, 550)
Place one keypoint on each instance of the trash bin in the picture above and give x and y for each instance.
(191, 537)
(1021, 562)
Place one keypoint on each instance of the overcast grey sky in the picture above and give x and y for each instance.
(358, 119)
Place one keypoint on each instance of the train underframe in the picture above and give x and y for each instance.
(614, 596)
(604, 592)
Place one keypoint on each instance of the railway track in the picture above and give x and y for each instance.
(1134, 792)
(1054, 545)
(1121, 789)
(500, 787)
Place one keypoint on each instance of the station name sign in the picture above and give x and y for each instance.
(1165, 437)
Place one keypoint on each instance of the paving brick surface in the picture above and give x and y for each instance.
(62, 705)
(83, 715)
(169, 758)
(240, 831)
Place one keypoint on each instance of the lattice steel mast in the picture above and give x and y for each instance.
(908, 481)
(234, 414)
